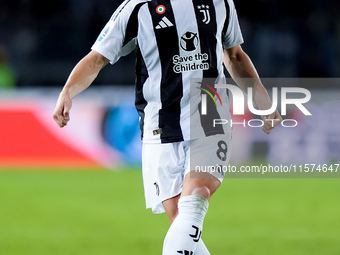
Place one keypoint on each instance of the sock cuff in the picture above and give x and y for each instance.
(193, 204)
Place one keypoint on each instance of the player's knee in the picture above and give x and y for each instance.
(203, 191)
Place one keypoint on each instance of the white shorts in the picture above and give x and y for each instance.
(165, 165)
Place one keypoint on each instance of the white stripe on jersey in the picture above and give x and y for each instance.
(224, 112)
(152, 86)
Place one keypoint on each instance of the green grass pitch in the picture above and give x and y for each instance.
(102, 212)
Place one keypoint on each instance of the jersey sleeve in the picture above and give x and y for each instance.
(233, 35)
(115, 39)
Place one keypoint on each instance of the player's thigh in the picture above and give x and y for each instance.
(208, 157)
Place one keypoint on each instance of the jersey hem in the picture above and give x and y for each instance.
(233, 45)
(165, 140)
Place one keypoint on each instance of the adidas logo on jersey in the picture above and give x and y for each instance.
(164, 23)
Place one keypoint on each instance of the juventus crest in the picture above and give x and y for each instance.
(204, 9)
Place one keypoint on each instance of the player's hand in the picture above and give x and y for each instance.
(271, 121)
(62, 110)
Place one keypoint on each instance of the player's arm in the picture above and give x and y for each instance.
(80, 78)
(242, 70)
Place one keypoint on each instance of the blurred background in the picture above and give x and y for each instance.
(292, 43)
(42, 40)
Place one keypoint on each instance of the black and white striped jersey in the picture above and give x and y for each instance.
(176, 41)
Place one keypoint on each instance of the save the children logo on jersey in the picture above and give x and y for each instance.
(190, 62)
(189, 42)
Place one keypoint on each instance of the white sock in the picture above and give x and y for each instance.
(201, 249)
(185, 232)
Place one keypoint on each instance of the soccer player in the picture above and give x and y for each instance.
(176, 41)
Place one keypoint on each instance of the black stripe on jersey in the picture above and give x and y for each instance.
(208, 43)
(120, 9)
(141, 76)
(171, 82)
(226, 23)
(132, 25)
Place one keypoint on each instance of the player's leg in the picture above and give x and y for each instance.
(184, 234)
(203, 186)
(163, 170)
(171, 207)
